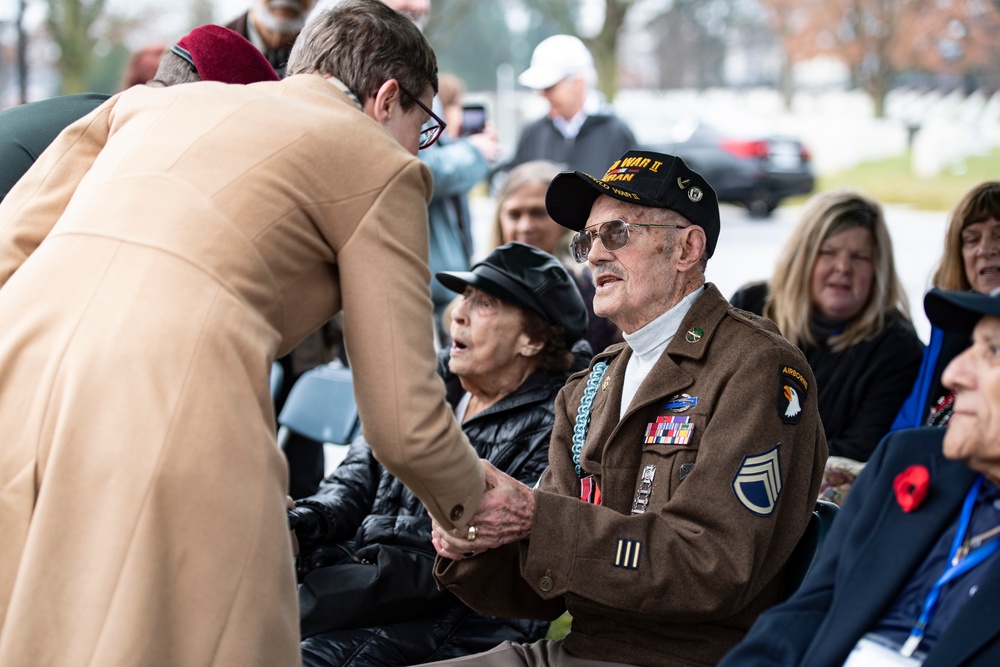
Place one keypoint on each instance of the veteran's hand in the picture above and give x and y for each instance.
(504, 515)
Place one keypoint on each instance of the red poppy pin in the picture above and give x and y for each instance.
(911, 487)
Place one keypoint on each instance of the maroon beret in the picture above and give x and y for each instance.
(220, 54)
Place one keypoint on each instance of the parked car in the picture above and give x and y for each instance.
(746, 165)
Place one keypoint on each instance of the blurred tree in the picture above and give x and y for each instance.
(84, 31)
(692, 39)
(604, 45)
(471, 40)
(878, 39)
(71, 25)
(787, 19)
(564, 14)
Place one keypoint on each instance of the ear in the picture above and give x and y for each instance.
(380, 106)
(691, 244)
(528, 347)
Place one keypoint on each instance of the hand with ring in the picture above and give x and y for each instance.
(456, 544)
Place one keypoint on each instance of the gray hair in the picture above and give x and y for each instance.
(174, 70)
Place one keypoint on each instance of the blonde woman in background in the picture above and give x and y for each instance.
(520, 216)
(835, 294)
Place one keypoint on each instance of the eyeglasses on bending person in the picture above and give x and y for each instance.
(429, 134)
(613, 234)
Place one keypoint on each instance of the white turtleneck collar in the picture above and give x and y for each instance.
(649, 342)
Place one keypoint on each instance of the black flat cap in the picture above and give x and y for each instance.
(960, 311)
(645, 178)
(528, 277)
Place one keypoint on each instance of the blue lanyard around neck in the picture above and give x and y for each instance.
(954, 570)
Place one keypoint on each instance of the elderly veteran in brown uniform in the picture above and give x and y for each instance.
(684, 463)
(153, 263)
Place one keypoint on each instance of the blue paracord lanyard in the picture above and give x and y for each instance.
(954, 570)
(583, 412)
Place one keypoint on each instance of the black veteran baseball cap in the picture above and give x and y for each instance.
(528, 277)
(960, 311)
(645, 178)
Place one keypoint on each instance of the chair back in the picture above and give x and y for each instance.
(807, 550)
(321, 407)
(277, 378)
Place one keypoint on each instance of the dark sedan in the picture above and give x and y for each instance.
(744, 166)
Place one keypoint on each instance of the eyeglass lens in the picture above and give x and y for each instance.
(613, 235)
(429, 135)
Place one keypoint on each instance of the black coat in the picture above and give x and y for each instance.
(354, 613)
(869, 555)
(603, 138)
(860, 389)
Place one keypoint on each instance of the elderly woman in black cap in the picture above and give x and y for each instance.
(367, 596)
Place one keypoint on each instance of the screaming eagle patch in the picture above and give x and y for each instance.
(757, 483)
(792, 397)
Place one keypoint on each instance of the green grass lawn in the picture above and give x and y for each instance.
(892, 182)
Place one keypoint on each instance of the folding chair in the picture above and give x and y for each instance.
(807, 550)
(277, 377)
(321, 407)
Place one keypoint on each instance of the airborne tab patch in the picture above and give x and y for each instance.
(757, 483)
(627, 553)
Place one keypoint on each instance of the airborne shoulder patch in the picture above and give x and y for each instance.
(791, 398)
(757, 483)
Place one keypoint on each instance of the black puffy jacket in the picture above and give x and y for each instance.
(369, 597)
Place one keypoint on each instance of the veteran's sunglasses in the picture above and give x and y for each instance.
(613, 235)
(429, 134)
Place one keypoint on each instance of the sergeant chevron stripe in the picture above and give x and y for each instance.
(757, 483)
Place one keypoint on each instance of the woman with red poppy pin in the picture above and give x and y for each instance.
(910, 571)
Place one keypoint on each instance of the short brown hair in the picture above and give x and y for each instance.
(555, 357)
(364, 43)
(977, 205)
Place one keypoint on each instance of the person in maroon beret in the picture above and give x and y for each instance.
(213, 53)
(209, 53)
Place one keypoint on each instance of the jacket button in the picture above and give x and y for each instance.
(545, 584)
(456, 512)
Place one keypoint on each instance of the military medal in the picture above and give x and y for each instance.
(669, 430)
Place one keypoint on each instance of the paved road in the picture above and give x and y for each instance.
(748, 249)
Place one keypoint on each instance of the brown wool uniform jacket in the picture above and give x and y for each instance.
(681, 582)
(157, 258)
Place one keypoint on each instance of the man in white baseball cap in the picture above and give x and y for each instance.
(579, 131)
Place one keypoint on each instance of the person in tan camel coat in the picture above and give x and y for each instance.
(153, 263)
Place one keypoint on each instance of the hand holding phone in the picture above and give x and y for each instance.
(473, 119)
